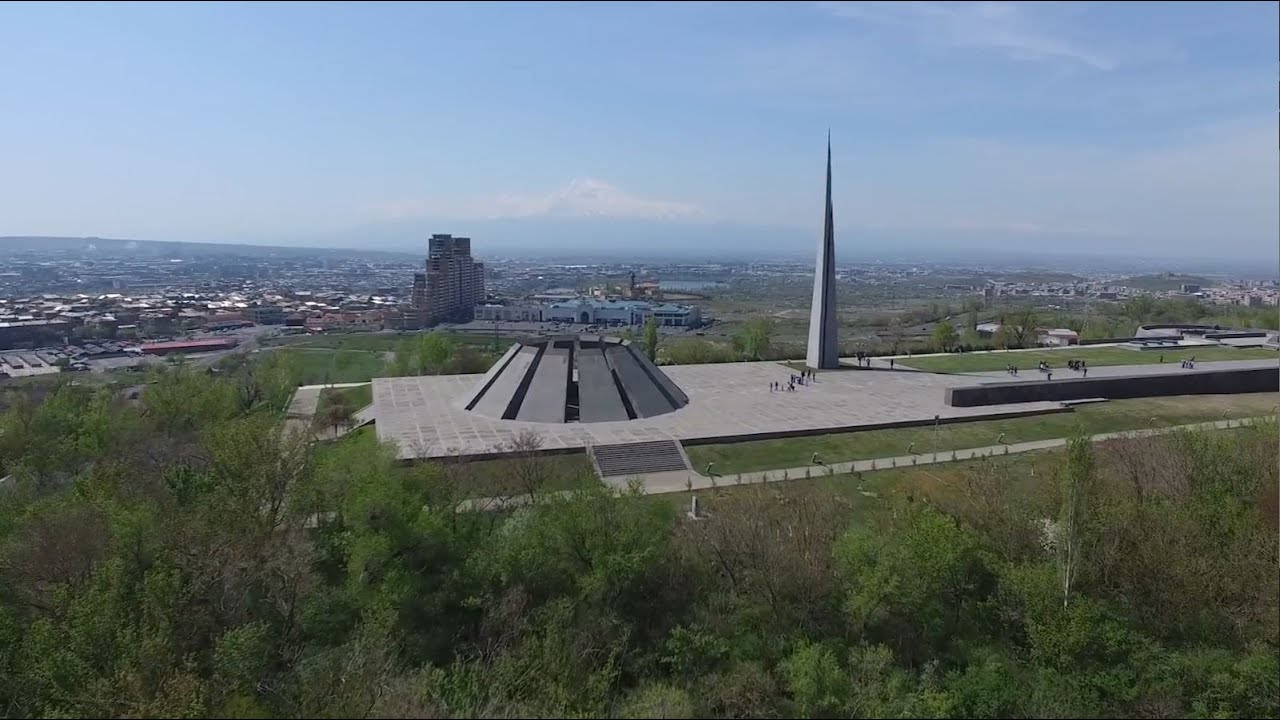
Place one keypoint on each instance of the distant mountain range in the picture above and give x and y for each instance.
(692, 240)
(584, 239)
(116, 247)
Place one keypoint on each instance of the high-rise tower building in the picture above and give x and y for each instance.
(453, 283)
(824, 347)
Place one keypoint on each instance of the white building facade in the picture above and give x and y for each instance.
(586, 311)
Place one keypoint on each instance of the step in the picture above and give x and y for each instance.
(638, 458)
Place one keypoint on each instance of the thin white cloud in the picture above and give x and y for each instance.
(1214, 189)
(582, 198)
(1000, 26)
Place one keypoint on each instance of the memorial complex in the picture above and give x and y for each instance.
(602, 395)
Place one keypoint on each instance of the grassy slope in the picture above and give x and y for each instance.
(1091, 419)
(870, 495)
(339, 366)
(939, 484)
(486, 478)
(1097, 356)
(354, 397)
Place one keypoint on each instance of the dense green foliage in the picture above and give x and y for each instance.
(650, 338)
(186, 556)
(438, 354)
(944, 336)
(753, 342)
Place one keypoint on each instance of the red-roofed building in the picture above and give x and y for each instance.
(188, 346)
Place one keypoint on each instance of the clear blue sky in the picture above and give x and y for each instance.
(1145, 126)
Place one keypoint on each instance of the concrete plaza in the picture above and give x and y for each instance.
(729, 401)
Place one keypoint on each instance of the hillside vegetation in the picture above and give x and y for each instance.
(184, 556)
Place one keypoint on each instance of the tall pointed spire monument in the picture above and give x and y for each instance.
(824, 348)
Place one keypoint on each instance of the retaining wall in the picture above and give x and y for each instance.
(1191, 382)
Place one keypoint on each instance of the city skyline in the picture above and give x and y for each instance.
(991, 125)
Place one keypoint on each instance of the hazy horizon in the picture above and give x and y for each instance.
(1119, 129)
(1066, 260)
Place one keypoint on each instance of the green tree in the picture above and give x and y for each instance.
(435, 350)
(815, 680)
(335, 415)
(1003, 337)
(657, 701)
(1024, 327)
(944, 336)
(753, 340)
(895, 333)
(694, 351)
(920, 588)
(651, 338)
(1070, 533)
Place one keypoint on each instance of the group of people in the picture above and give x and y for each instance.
(862, 358)
(803, 378)
(1044, 368)
(1189, 364)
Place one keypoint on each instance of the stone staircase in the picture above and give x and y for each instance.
(638, 458)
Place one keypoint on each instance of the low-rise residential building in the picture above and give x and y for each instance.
(188, 346)
(1059, 336)
(987, 330)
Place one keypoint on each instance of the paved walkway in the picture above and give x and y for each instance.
(670, 482)
(305, 402)
(307, 398)
(1061, 372)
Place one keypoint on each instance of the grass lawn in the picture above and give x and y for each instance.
(1091, 419)
(488, 478)
(507, 476)
(354, 397)
(1028, 361)
(339, 366)
(943, 485)
(368, 342)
